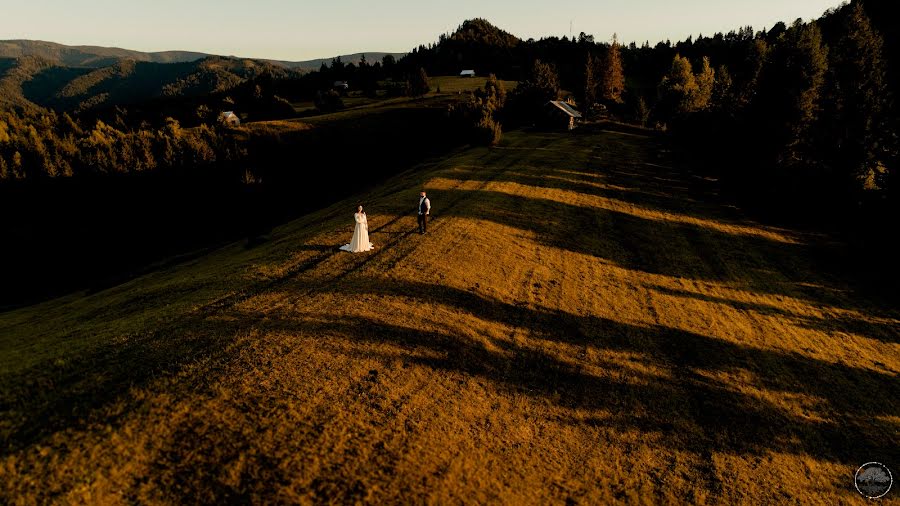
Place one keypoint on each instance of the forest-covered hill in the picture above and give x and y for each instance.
(34, 81)
(97, 56)
(89, 56)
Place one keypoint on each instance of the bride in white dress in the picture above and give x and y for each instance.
(360, 241)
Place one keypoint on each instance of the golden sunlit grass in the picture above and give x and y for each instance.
(456, 84)
(271, 128)
(583, 323)
(356, 104)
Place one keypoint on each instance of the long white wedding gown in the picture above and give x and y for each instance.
(360, 241)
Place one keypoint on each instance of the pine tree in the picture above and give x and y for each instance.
(861, 94)
(418, 83)
(789, 100)
(540, 85)
(754, 61)
(612, 82)
(642, 111)
(813, 64)
(590, 82)
(808, 59)
(337, 67)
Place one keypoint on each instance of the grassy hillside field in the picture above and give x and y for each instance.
(584, 323)
(448, 85)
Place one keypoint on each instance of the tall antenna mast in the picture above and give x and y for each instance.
(570, 28)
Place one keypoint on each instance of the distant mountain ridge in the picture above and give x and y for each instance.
(30, 81)
(89, 56)
(98, 57)
(79, 78)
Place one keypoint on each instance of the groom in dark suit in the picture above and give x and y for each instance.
(424, 211)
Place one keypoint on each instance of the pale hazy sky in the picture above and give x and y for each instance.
(301, 30)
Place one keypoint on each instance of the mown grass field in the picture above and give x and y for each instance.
(456, 84)
(584, 323)
(448, 85)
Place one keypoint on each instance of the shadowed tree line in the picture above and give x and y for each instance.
(134, 197)
(50, 145)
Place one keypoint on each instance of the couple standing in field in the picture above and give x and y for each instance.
(360, 241)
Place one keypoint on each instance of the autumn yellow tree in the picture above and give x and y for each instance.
(612, 80)
(706, 81)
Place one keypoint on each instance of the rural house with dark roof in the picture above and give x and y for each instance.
(561, 114)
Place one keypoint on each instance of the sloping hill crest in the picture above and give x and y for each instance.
(584, 322)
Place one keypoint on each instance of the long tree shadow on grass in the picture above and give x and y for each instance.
(685, 407)
(627, 186)
(36, 402)
(886, 329)
(639, 172)
(58, 395)
(63, 394)
(848, 407)
(636, 170)
(645, 244)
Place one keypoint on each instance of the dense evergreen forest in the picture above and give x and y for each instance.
(801, 105)
(799, 120)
